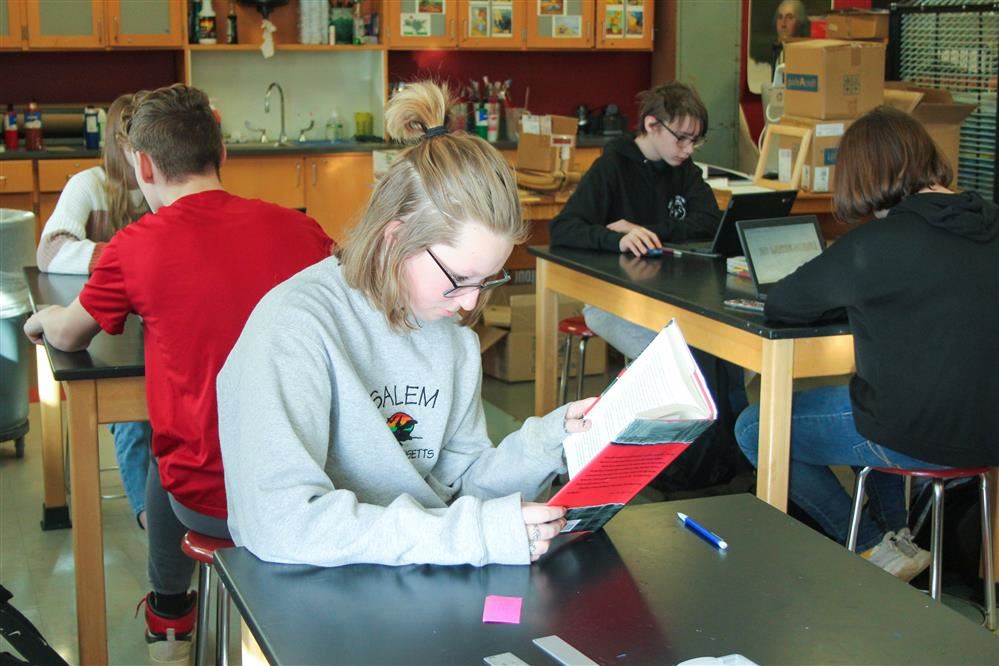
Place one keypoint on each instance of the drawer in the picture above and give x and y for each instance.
(15, 176)
(53, 174)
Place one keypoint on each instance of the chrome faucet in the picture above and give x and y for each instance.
(282, 137)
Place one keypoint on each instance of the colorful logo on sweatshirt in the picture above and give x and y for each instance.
(401, 424)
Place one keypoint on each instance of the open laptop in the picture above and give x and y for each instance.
(776, 203)
(776, 247)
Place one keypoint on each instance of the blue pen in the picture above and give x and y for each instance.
(702, 532)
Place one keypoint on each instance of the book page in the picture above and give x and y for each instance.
(663, 384)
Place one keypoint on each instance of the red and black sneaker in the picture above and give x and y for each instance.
(168, 636)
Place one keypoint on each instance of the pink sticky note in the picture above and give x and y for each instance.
(502, 609)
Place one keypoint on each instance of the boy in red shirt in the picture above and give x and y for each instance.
(193, 269)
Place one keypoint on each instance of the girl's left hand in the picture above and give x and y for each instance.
(574, 421)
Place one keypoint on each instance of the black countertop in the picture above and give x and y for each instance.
(73, 149)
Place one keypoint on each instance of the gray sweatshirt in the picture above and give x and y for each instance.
(344, 442)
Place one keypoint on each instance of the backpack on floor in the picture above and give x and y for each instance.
(22, 635)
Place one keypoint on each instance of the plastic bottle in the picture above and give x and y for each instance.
(358, 23)
(102, 125)
(206, 23)
(33, 127)
(334, 127)
(482, 120)
(192, 21)
(231, 34)
(91, 129)
(10, 128)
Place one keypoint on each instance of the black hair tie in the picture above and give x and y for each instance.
(440, 130)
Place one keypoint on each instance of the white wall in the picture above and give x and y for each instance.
(314, 83)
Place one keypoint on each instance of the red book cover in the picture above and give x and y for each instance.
(647, 417)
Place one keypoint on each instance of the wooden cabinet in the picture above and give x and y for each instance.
(80, 24)
(146, 22)
(492, 24)
(625, 26)
(52, 177)
(278, 179)
(560, 24)
(55, 24)
(12, 30)
(17, 185)
(422, 24)
(337, 190)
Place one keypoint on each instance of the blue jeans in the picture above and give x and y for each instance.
(131, 448)
(822, 434)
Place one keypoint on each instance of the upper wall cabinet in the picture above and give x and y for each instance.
(74, 24)
(422, 23)
(625, 24)
(560, 24)
(12, 31)
(60, 24)
(146, 22)
(492, 24)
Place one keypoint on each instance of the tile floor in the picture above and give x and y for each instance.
(37, 566)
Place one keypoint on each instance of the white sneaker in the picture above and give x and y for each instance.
(903, 560)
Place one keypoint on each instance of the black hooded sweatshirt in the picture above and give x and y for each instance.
(921, 291)
(674, 202)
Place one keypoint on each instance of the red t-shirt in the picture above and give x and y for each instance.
(194, 271)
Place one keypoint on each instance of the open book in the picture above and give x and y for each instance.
(647, 417)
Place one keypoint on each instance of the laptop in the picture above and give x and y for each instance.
(776, 247)
(770, 204)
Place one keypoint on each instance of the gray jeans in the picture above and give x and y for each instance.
(170, 570)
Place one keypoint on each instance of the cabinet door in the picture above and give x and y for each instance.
(17, 187)
(12, 32)
(146, 22)
(422, 23)
(560, 24)
(625, 24)
(339, 187)
(62, 24)
(492, 24)
(277, 179)
(52, 177)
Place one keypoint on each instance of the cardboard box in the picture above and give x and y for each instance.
(857, 25)
(936, 110)
(507, 336)
(820, 162)
(541, 138)
(830, 78)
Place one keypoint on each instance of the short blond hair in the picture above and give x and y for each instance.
(440, 183)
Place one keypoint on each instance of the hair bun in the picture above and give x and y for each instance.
(415, 109)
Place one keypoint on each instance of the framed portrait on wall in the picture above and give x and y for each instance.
(771, 23)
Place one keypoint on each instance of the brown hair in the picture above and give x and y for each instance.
(121, 209)
(434, 188)
(176, 127)
(884, 157)
(669, 102)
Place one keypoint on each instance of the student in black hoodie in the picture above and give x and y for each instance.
(918, 286)
(642, 191)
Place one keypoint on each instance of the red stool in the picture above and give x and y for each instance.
(936, 533)
(202, 548)
(574, 327)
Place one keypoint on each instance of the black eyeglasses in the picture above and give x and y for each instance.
(461, 289)
(695, 141)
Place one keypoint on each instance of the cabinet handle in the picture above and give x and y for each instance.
(298, 174)
(117, 32)
(464, 29)
(450, 28)
(315, 174)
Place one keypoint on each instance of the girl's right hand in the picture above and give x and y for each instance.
(543, 523)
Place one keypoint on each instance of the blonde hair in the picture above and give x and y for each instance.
(435, 187)
(121, 210)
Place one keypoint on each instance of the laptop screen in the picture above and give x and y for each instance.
(776, 247)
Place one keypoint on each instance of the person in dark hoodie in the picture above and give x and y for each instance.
(918, 285)
(642, 191)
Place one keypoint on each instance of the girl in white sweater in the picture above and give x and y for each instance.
(94, 205)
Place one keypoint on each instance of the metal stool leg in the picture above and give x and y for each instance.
(936, 538)
(582, 366)
(204, 611)
(564, 383)
(222, 626)
(989, 555)
(858, 508)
